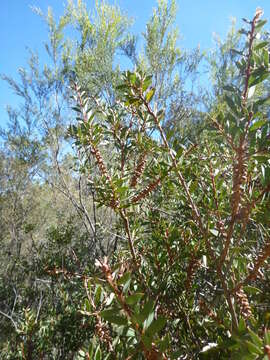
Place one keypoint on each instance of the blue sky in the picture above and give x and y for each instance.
(197, 21)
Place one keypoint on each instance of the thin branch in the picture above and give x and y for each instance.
(10, 318)
(39, 306)
(130, 240)
(194, 208)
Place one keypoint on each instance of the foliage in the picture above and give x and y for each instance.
(43, 181)
(194, 219)
(183, 220)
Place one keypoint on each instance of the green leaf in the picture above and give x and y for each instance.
(147, 82)
(73, 130)
(132, 101)
(97, 355)
(253, 348)
(147, 309)
(251, 91)
(130, 333)
(87, 305)
(164, 343)
(160, 114)
(156, 326)
(147, 341)
(260, 24)
(113, 318)
(229, 88)
(109, 299)
(180, 151)
(132, 77)
(134, 298)
(261, 158)
(241, 65)
(266, 58)
(122, 190)
(121, 87)
(138, 318)
(242, 326)
(262, 101)
(126, 286)
(108, 313)
(149, 320)
(98, 292)
(267, 337)
(267, 176)
(214, 232)
(149, 95)
(235, 51)
(124, 278)
(76, 108)
(258, 76)
(252, 290)
(255, 338)
(91, 350)
(260, 45)
(258, 124)
(231, 104)
(247, 21)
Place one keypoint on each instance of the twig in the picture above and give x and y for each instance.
(10, 318)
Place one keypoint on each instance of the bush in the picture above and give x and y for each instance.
(189, 274)
(192, 282)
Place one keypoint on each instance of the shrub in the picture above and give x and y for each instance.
(190, 276)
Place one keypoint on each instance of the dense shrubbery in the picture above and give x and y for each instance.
(195, 219)
(187, 273)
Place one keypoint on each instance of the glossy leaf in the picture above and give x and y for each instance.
(156, 326)
(134, 298)
(257, 124)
